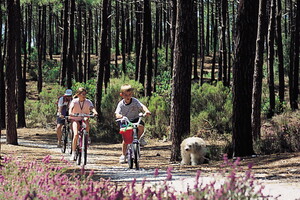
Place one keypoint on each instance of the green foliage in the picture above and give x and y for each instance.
(164, 75)
(163, 86)
(265, 105)
(211, 108)
(163, 63)
(90, 87)
(51, 71)
(43, 112)
(157, 124)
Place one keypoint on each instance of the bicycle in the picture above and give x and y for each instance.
(130, 136)
(82, 143)
(67, 137)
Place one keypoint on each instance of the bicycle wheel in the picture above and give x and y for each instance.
(64, 140)
(136, 152)
(70, 141)
(78, 155)
(84, 147)
(129, 156)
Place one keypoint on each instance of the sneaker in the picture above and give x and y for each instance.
(122, 159)
(72, 158)
(143, 142)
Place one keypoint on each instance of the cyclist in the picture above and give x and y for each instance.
(130, 107)
(62, 111)
(80, 104)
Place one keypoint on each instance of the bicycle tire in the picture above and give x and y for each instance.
(70, 141)
(136, 156)
(78, 156)
(129, 157)
(84, 147)
(64, 140)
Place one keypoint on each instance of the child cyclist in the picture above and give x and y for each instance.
(62, 111)
(79, 105)
(130, 107)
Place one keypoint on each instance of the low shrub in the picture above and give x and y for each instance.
(280, 134)
(43, 180)
(42, 113)
(211, 108)
(158, 122)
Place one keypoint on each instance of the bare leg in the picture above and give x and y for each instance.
(124, 148)
(59, 133)
(75, 126)
(141, 130)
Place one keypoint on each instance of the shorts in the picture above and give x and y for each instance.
(60, 120)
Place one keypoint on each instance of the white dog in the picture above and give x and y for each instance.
(193, 150)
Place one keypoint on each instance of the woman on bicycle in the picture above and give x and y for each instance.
(79, 105)
(130, 107)
(62, 111)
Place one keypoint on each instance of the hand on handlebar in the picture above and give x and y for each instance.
(147, 113)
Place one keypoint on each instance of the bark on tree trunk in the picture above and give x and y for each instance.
(271, 37)
(11, 131)
(103, 59)
(280, 53)
(181, 87)
(65, 44)
(148, 29)
(258, 71)
(246, 27)
(20, 79)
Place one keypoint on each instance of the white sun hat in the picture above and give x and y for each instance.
(68, 92)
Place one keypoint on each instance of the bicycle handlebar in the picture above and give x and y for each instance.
(124, 118)
(82, 115)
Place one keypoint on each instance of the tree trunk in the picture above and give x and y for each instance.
(50, 33)
(202, 42)
(123, 38)
(40, 51)
(108, 46)
(20, 79)
(195, 43)
(215, 40)
(296, 57)
(89, 42)
(85, 38)
(258, 71)
(271, 36)
(2, 78)
(71, 48)
(156, 41)
(224, 48)
(103, 59)
(148, 29)
(79, 45)
(117, 27)
(207, 27)
(142, 56)
(172, 30)
(280, 53)
(65, 44)
(181, 87)
(246, 27)
(11, 131)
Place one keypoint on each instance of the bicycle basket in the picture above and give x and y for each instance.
(127, 134)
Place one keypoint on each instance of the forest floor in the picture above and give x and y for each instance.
(280, 173)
